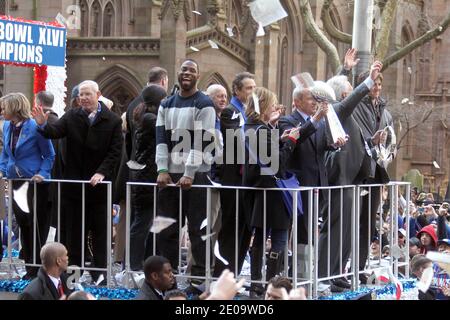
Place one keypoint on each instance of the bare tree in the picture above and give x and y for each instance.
(410, 116)
(388, 8)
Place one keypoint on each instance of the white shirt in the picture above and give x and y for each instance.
(305, 117)
(55, 281)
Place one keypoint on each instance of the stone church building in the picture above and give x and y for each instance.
(119, 40)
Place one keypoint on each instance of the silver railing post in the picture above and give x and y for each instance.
(108, 234)
(10, 203)
(236, 232)
(208, 238)
(316, 239)
(294, 245)
(155, 198)
(408, 199)
(180, 228)
(83, 221)
(59, 213)
(355, 237)
(127, 229)
(34, 220)
(264, 273)
(310, 244)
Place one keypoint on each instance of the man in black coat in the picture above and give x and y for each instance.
(232, 119)
(94, 145)
(51, 281)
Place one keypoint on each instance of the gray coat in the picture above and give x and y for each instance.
(344, 167)
(365, 117)
(148, 293)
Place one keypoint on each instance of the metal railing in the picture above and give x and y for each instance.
(319, 201)
(313, 212)
(11, 263)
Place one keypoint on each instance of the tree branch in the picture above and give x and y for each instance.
(418, 42)
(329, 26)
(424, 118)
(318, 36)
(382, 41)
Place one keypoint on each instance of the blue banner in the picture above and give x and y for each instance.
(24, 42)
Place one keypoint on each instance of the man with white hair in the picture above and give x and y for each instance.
(94, 144)
(219, 96)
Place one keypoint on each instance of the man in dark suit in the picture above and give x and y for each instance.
(307, 160)
(94, 144)
(231, 120)
(158, 279)
(346, 167)
(51, 281)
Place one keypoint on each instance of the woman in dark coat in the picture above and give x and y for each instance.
(142, 196)
(258, 134)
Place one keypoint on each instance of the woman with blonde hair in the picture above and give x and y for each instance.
(258, 172)
(27, 155)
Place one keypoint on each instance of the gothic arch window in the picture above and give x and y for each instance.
(120, 85)
(96, 17)
(233, 11)
(84, 18)
(109, 22)
(213, 77)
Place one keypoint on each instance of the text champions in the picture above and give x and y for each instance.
(32, 43)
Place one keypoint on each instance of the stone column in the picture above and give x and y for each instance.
(174, 18)
(271, 50)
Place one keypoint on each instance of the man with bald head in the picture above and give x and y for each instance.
(94, 145)
(51, 281)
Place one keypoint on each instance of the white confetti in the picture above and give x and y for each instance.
(217, 254)
(405, 100)
(133, 165)
(197, 12)
(194, 49)
(425, 280)
(409, 70)
(436, 165)
(364, 193)
(161, 223)
(230, 32)
(213, 44)
(60, 18)
(100, 279)
(204, 224)
(215, 184)
(260, 32)
(267, 12)
(207, 236)
(20, 195)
